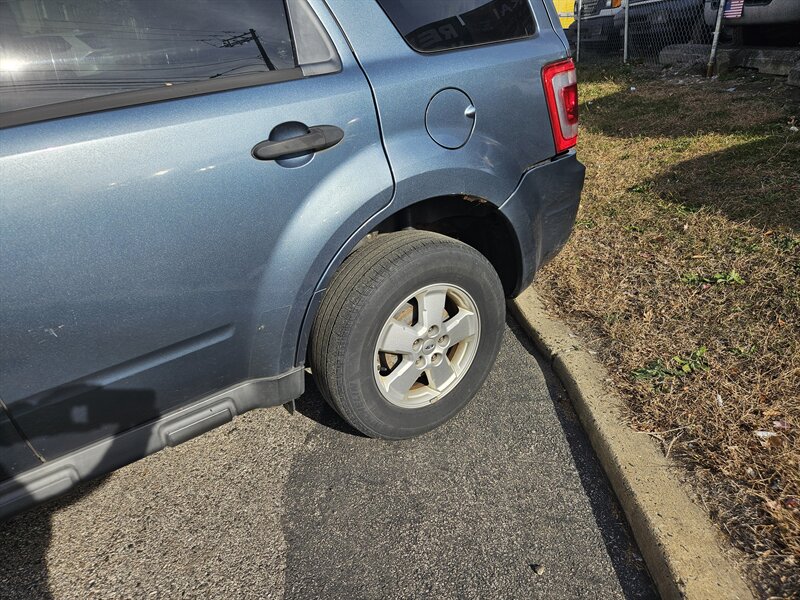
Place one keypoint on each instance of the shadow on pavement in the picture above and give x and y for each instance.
(608, 515)
(24, 542)
(25, 538)
(466, 511)
(313, 406)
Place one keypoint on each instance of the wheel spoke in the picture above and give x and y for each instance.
(398, 382)
(462, 325)
(431, 307)
(426, 345)
(439, 376)
(397, 338)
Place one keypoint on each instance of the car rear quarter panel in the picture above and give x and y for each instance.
(503, 80)
(512, 130)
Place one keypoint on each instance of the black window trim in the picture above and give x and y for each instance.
(535, 34)
(71, 108)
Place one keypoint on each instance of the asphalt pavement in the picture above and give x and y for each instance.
(505, 501)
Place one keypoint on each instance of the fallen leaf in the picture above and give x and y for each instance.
(775, 442)
(765, 437)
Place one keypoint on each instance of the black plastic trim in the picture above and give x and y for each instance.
(319, 137)
(57, 476)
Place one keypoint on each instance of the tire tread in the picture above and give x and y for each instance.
(353, 286)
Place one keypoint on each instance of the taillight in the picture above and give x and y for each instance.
(561, 91)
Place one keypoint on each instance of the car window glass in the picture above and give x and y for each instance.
(429, 26)
(53, 51)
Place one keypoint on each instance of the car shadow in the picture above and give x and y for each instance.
(25, 538)
(313, 406)
(756, 181)
(24, 542)
(611, 521)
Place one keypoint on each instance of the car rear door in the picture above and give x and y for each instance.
(144, 259)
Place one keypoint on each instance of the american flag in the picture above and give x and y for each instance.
(733, 9)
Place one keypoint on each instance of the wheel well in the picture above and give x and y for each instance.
(471, 220)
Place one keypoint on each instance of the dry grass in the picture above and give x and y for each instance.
(684, 268)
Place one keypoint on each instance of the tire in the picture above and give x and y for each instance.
(372, 296)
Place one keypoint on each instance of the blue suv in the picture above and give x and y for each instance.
(203, 200)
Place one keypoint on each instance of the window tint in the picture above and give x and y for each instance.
(431, 25)
(54, 51)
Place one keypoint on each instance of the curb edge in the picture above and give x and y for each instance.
(681, 546)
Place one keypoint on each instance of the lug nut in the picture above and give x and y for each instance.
(419, 363)
(433, 331)
(443, 341)
(436, 358)
(416, 345)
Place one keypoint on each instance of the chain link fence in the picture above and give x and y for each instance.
(638, 30)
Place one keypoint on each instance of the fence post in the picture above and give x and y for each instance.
(713, 57)
(625, 35)
(578, 31)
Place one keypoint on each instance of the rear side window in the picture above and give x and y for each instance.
(434, 25)
(56, 51)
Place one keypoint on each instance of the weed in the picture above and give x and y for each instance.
(640, 188)
(694, 363)
(785, 243)
(743, 351)
(684, 365)
(724, 278)
(653, 370)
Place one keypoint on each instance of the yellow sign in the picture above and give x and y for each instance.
(566, 11)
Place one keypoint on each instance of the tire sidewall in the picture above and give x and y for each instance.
(451, 265)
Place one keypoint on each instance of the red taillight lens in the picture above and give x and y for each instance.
(561, 91)
(569, 96)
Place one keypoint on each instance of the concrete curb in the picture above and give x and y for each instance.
(682, 548)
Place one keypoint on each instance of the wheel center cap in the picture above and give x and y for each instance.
(428, 346)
